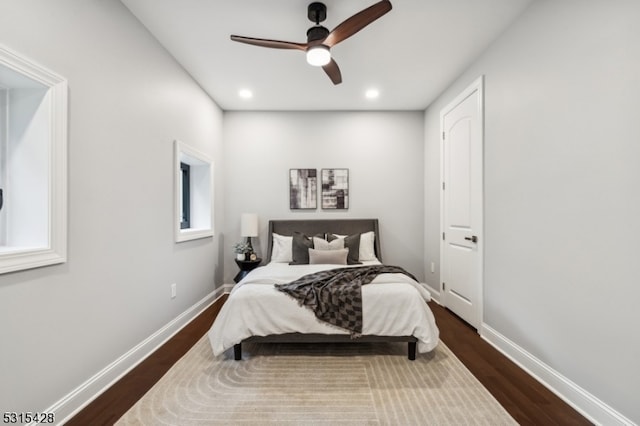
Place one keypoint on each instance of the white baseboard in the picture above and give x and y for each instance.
(435, 293)
(582, 401)
(80, 397)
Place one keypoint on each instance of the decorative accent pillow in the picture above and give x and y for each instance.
(367, 248)
(322, 244)
(300, 248)
(328, 257)
(281, 249)
(351, 242)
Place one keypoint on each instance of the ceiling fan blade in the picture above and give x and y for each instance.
(276, 44)
(333, 71)
(357, 22)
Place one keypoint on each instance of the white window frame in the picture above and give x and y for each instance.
(201, 193)
(54, 250)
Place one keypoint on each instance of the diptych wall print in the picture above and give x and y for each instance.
(303, 189)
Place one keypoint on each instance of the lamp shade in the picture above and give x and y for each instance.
(249, 225)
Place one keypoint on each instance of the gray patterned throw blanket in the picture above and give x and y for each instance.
(335, 295)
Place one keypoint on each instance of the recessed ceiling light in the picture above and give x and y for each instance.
(372, 94)
(245, 94)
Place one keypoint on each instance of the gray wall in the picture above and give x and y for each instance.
(382, 150)
(562, 198)
(128, 101)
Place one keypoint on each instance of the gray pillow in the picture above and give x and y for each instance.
(351, 242)
(300, 248)
(332, 257)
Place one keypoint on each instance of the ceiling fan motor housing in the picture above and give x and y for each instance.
(317, 33)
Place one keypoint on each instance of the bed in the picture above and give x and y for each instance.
(394, 307)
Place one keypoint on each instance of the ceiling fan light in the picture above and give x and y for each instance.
(318, 56)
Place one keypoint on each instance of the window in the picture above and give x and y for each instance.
(33, 177)
(193, 194)
(185, 184)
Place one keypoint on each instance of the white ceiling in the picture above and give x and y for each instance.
(410, 54)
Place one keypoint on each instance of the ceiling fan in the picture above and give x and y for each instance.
(320, 40)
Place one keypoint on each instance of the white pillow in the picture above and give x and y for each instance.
(281, 249)
(320, 244)
(367, 249)
(328, 257)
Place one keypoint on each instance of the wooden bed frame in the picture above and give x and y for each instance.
(312, 227)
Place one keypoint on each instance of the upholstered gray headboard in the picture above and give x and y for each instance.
(317, 226)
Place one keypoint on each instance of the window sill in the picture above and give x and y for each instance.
(193, 234)
(14, 259)
(18, 249)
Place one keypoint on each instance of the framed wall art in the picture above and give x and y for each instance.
(335, 189)
(303, 189)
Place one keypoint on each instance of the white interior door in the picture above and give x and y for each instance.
(461, 201)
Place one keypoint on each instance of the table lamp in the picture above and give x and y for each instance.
(249, 227)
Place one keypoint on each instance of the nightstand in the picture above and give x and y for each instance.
(245, 267)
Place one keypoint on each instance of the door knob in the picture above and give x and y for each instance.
(473, 239)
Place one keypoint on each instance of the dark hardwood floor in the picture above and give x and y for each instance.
(524, 398)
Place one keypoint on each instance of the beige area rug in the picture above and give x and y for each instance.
(347, 383)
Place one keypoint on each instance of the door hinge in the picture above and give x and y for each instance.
(443, 136)
(444, 287)
(443, 236)
(443, 186)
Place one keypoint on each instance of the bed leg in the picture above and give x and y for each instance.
(412, 351)
(237, 352)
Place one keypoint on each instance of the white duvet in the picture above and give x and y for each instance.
(392, 305)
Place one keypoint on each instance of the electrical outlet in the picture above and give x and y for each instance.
(433, 267)
(173, 290)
